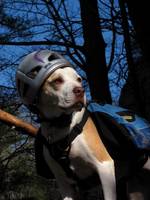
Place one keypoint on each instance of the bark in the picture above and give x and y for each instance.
(129, 94)
(19, 124)
(140, 15)
(139, 76)
(94, 49)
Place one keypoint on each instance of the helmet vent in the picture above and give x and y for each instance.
(33, 73)
(52, 57)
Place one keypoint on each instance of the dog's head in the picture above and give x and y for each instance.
(61, 93)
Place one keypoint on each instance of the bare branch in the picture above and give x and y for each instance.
(11, 120)
(113, 36)
(42, 42)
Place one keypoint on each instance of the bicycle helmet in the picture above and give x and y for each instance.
(33, 71)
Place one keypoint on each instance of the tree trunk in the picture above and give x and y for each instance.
(130, 92)
(140, 15)
(94, 48)
(140, 102)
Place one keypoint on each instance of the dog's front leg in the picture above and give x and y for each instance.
(106, 171)
(66, 185)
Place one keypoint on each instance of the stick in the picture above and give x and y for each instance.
(11, 120)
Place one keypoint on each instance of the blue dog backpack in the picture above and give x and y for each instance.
(137, 128)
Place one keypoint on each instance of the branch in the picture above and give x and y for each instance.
(113, 36)
(42, 42)
(11, 120)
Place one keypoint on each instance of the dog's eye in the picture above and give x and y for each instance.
(58, 80)
(79, 79)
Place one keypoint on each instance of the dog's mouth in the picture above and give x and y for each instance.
(77, 106)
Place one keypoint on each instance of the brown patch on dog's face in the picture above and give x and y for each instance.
(62, 92)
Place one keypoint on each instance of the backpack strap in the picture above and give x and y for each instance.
(77, 129)
(58, 150)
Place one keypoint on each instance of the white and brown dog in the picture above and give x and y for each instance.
(63, 94)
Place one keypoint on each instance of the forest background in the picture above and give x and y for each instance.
(108, 43)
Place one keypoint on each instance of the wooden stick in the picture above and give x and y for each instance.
(11, 120)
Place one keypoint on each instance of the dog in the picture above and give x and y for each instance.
(61, 95)
(61, 104)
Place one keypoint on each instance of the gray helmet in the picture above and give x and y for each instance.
(33, 71)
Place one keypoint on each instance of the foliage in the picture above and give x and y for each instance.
(18, 175)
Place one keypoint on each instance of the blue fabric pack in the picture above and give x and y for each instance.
(138, 128)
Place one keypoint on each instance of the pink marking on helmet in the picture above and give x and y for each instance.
(37, 57)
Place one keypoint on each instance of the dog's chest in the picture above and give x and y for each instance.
(87, 150)
(79, 158)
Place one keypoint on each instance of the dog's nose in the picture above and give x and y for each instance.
(78, 91)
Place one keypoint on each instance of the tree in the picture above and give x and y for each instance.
(140, 23)
(17, 169)
(94, 51)
(135, 94)
(86, 32)
(85, 47)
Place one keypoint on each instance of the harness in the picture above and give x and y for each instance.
(128, 123)
(58, 150)
(120, 130)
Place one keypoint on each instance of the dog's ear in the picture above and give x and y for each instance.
(33, 73)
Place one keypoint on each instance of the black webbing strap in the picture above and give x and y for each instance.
(58, 149)
(77, 129)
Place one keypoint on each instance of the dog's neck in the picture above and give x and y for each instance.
(62, 121)
(57, 132)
